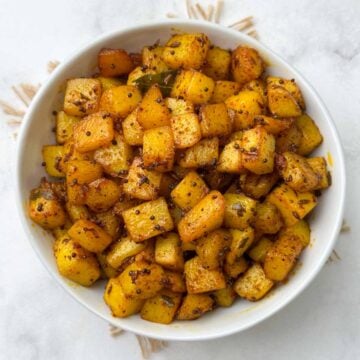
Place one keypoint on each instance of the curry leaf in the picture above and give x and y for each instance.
(165, 80)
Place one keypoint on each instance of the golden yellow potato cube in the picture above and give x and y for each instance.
(257, 186)
(137, 73)
(114, 62)
(152, 58)
(235, 266)
(240, 243)
(106, 270)
(132, 130)
(257, 85)
(109, 82)
(217, 63)
(268, 219)
(168, 252)
(179, 106)
(52, 156)
(194, 305)
(224, 89)
(108, 221)
(230, 160)
(215, 120)
(174, 281)
(259, 250)
(289, 139)
(64, 126)
(225, 297)
(77, 212)
(311, 137)
(300, 230)
(318, 164)
(273, 125)
(186, 130)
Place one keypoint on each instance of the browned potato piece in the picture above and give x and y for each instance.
(194, 305)
(273, 125)
(224, 89)
(257, 186)
(259, 250)
(289, 140)
(204, 153)
(102, 194)
(296, 172)
(311, 136)
(193, 86)
(230, 160)
(162, 307)
(116, 157)
(120, 100)
(244, 106)
(148, 254)
(77, 212)
(158, 149)
(123, 204)
(217, 63)
(152, 111)
(152, 58)
(179, 106)
(240, 243)
(293, 205)
(108, 221)
(186, 51)
(254, 284)
(74, 262)
(94, 131)
(235, 267)
(45, 209)
(300, 230)
(132, 130)
(215, 120)
(259, 150)
(268, 219)
(217, 180)
(246, 64)
(186, 130)
(212, 248)
(64, 126)
(200, 280)
(240, 211)
(82, 96)
(141, 280)
(282, 256)
(189, 191)
(148, 220)
(90, 236)
(123, 249)
(61, 230)
(168, 252)
(174, 281)
(318, 164)
(257, 85)
(53, 156)
(120, 305)
(114, 62)
(207, 215)
(142, 183)
(225, 297)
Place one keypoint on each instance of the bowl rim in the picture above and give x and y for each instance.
(146, 26)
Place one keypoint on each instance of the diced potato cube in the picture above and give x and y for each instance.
(123, 249)
(152, 58)
(158, 149)
(110, 82)
(254, 284)
(108, 221)
(148, 220)
(168, 252)
(293, 205)
(217, 64)
(204, 153)
(193, 86)
(244, 106)
(102, 194)
(259, 250)
(207, 215)
(107, 271)
(257, 85)
(257, 186)
(230, 160)
(186, 129)
(77, 212)
(174, 281)
(179, 106)
(246, 64)
(114, 62)
(200, 280)
(259, 150)
(94, 131)
(300, 230)
(64, 126)
(162, 307)
(116, 157)
(141, 280)
(123, 204)
(213, 247)
(45, 209)
(235, 267)
(296, 172)
(289, 140)
(268, 219)
(224, 89)
(282, 256)
(215, 120)
(318, 164)
(311, 136)
(194, 305)
(132, 130)
(186, 51)
(75, 263)
(148, 254)
(189, 191)
(61, 230)
(240, 211)
(52, 156)
(120, 305)
(141, 183)
(90, 236)
(225, 297)
(82, 96)
(240, 243)
(273, 125)
(120, 100)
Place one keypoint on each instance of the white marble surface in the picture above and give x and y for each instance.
(39, 321)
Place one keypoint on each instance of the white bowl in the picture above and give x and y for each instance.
(325, 223)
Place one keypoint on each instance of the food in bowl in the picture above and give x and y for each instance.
(181, 175)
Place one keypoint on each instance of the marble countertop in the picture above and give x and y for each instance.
(38, 320)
